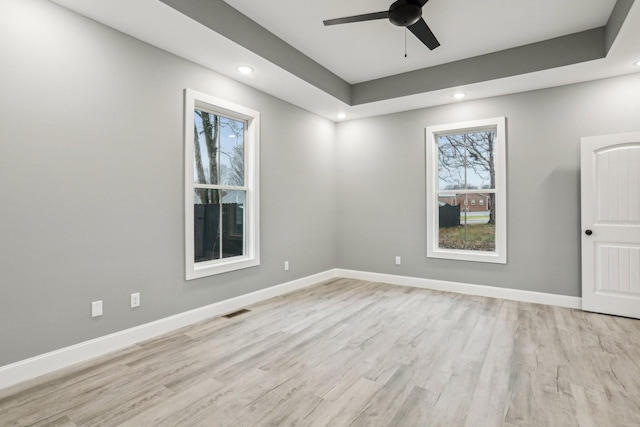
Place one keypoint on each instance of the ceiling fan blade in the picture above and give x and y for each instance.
(422, 31)
(358, 18)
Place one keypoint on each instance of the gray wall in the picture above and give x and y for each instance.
(381, 184)
(91, 182)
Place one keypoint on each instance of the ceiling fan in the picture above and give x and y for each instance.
(403, 13)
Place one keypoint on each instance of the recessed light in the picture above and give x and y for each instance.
(341, 116)
(244, 69)
(459, 95)
(637, 63)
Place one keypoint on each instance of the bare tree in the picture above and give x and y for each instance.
(211, 132)
(236, 160)
(234, 172)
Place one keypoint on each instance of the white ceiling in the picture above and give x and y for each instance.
(369, 50)
(364, 51)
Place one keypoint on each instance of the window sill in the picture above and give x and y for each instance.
(473, 256)
(212, 268)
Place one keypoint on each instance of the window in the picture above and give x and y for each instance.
(467, 161)
(221, 186)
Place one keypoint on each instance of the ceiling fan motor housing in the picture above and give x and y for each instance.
(405, 13)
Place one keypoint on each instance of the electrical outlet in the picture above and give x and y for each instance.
(398, 260)
(96, 309)
(135, 300)
(286, 266)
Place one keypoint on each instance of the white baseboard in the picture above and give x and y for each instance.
(45, 363)
(465, 288)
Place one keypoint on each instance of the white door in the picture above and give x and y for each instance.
(610, 177)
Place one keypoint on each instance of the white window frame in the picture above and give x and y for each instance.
(251, 258)
(498, 256)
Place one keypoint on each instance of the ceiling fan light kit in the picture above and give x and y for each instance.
(402, 13)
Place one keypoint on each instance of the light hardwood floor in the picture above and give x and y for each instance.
(354, 353)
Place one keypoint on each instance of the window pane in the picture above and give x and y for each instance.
(451, 163)
(206, 224)
(233, 220)
(231, 152)
(466, 161)
(466, 225)
(218, 149)
(206, 147)
(480, 159)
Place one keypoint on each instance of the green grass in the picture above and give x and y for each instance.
(478, 237)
